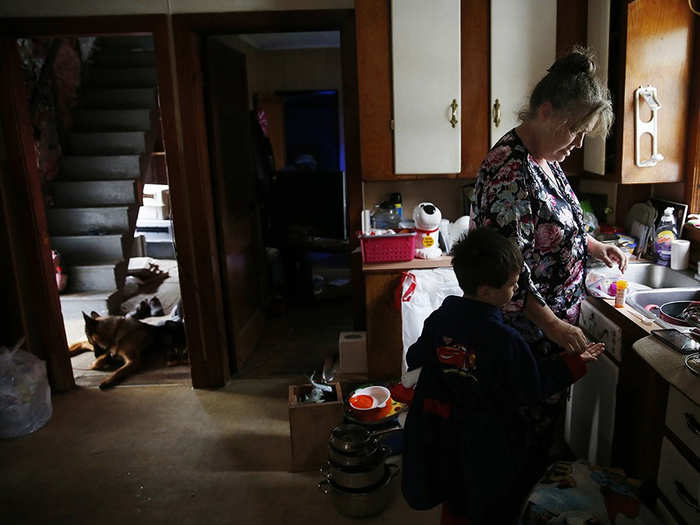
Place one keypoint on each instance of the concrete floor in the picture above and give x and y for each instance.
(169, 454)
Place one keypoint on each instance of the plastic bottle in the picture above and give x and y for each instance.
(620, 292)
(385, 216)
(666, 233)
(395, 199)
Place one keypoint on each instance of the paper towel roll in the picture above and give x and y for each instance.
(680, 253)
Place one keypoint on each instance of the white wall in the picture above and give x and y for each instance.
(36, 8)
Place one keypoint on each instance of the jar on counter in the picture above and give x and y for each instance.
(620, 293)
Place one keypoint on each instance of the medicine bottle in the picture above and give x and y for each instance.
(620, 293)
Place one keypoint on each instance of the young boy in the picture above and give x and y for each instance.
(465, 441)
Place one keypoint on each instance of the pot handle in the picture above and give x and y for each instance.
(395, 428)
(324, 469)
(324, 486)
(386, 450)
(393, 470)
(651, 307)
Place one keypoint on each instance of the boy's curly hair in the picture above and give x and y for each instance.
(485, 257)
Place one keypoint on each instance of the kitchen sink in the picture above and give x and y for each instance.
(639, 300)
(651, 275)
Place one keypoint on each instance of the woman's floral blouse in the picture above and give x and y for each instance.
(542, 214)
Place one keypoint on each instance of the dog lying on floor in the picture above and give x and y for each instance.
(121, 339)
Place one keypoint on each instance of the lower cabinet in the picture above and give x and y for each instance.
(679, 483)
(679, 478)
(591, 403)
(590, 413)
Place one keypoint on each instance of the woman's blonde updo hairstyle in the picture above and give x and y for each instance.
(575, 92)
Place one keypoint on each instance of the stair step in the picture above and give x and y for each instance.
(108, 143)
(67, 194)
(126, 42)
(112, 120)
(89, 249)
(135, 77)
(161, 249)
(89, 277)
(119, 98)
(112, 57)
(109, 167)
(102, 302)
(89, 221)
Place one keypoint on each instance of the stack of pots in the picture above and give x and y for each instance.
(357, 476)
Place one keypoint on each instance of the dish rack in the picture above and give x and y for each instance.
(388, 248)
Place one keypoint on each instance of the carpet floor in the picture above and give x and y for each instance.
(170, 454)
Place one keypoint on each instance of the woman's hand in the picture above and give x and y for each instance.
(566, 335)
(593, 350)
(608, 253)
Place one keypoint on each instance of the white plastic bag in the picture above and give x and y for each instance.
(422, 292)
(600, 281)
(25, 396)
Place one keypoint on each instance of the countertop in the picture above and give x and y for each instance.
(414, 264)
(669, 364)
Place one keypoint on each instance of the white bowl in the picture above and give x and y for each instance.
(379, 394)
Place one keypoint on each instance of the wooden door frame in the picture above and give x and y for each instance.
(188, 32)
(26, 219)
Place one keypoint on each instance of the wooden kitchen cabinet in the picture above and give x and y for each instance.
(650, 43)
(383, 313)
(383, 322)
(375, 97)
(426, 79)
(523, 45)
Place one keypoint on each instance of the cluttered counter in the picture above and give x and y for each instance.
(655, 397)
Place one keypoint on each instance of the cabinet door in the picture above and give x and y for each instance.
(523, 46)
(590, 412)
(426, 53)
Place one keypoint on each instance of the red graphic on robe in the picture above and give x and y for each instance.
(458, 357)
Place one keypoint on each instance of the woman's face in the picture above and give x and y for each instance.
(562, 139)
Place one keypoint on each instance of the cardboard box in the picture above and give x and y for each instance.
(310, 426)
(352, 347)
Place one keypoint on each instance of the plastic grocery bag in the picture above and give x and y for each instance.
(602, 283)
(422, 292)
(25, 396)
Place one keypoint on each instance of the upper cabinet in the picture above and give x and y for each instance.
(650, 44)
(410, 69)
(523, 46)
(427, 95)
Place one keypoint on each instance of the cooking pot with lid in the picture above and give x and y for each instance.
(361, 503)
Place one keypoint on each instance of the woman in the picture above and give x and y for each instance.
(522, 191)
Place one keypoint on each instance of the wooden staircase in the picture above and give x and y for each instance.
(98, 193)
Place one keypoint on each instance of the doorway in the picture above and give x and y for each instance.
(294, 90)
(287, 286)
(274, 116)
(94, 111)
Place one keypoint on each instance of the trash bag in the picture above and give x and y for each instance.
(422, 292)
(25, 396)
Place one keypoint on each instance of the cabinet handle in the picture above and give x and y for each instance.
(685, 496)
(692, 423)
(454, 107)
(497, 113)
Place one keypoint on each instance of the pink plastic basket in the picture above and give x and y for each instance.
(388, 248)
